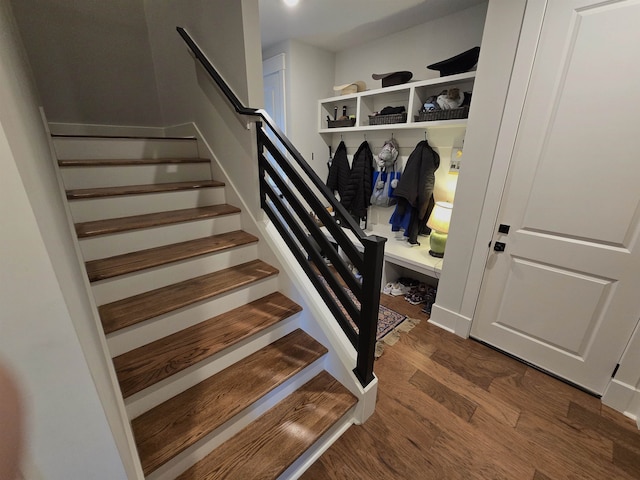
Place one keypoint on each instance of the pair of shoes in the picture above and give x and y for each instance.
(399, 289)
(420, 294)
(408, 282)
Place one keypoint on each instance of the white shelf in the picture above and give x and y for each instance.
(399, 252)
(451, 124)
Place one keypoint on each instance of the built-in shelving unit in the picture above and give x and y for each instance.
(410, 95)
(401, 259)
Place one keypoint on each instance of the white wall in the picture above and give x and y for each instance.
(308, 80)
(412, 49)
(91, 60)
(42, 294)
(499, 43)
(186, 92)
(309, 76)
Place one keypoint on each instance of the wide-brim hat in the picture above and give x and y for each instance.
(393, 78)
(463, 62)
(353, 87)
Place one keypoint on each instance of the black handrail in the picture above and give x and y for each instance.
(280, 204)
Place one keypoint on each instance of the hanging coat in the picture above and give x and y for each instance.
(357, 196)
(339, 171)
(415, 190)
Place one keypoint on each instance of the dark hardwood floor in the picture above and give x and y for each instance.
(450, 408)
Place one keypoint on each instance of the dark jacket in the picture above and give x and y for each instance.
(353, 184)
(339, 171)
(357, 196)
(418, 178)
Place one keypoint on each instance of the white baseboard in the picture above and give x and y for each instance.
(624, 398)
(59, 128)
(450, 321)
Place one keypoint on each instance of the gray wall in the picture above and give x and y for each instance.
(91, 60)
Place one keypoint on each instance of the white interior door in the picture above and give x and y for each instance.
(565, 292)
(274, 89)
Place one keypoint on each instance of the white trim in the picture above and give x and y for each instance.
(443, 318)
(98, 360)
(623, 398)
(514, 104)
(308, 458)
(58, 128)
(273, 64)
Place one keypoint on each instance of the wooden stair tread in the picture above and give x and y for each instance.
(178, 423)
(123, 224)
(107, 162)
(146, 365)
(135, 309)
(135, 261)
(100, 192)
(268, 446)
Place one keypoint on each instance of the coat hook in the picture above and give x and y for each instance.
(365, 137)
(391, 134)
(341, 137)
(425, 135)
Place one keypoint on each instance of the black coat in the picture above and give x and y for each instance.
(339, 171)
(418, 178)
(353, 184)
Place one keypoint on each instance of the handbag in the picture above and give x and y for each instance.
(384, 183)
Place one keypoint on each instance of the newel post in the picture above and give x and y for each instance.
(371, 280)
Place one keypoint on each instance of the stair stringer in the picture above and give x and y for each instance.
(316, 319)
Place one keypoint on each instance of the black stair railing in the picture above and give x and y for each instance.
(289, 193)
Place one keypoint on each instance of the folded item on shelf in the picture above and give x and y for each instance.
(393, 78)
(460, 63)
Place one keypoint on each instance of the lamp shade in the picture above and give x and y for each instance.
(440, 217)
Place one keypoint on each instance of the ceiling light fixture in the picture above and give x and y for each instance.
(290, 3)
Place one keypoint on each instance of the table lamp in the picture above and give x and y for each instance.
(439, 224)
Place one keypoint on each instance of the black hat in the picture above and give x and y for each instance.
(462, 62)
(393, 78)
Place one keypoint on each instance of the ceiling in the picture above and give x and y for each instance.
(339, 24)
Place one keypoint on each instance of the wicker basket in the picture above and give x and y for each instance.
(386, 119)
(452, 114)
(349, 122)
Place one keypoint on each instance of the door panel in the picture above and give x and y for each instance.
(564, 306)
(564, 293)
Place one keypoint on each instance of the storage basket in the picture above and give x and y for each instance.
(386, 119)
(347, 122)
(452, 114)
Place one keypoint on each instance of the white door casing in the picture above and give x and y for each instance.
(564, 294)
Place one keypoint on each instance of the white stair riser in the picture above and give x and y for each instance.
(124, 286)
(199, 450)
(73, 148)
(103, 246)
(86, 210)
(115, 176)
(153, 329)
(162, 391)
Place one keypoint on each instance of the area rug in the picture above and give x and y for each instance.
(390, 322)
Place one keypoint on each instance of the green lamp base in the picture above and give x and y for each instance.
(437, 242)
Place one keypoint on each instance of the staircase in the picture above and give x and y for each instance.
(217, 377)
